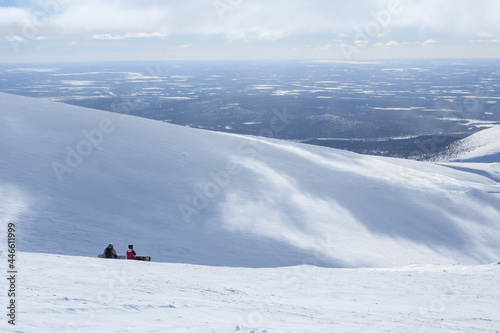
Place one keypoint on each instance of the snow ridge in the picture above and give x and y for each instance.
(483, 147)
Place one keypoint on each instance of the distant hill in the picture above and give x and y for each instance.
(73, 179)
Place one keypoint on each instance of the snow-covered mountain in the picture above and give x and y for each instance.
(483, 146)
(74, 179)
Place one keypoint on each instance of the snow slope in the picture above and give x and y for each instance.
(74, 179)
(483, 146)
(78, 294)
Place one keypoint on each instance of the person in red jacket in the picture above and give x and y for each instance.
(130, 252)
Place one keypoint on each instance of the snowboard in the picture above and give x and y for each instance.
(142, 258)
(119, 257)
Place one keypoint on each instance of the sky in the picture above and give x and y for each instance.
(330, 30)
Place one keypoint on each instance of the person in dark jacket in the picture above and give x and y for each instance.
(110, 252)
(130, 252)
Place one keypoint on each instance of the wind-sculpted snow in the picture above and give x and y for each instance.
(75, 179)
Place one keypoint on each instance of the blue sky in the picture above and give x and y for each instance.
(102, 30)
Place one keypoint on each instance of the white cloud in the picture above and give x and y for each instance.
(361, 42)
(453, 17)
(389, 43)
(236, 35)
(325, 47)
(428, 42)
(484, 34)
(14, 38)
(129, 35)
(110, 16)
(13, 16)
(279, 23)
(264, 20)
(491, 40)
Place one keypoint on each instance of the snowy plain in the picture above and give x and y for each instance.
(247, 233)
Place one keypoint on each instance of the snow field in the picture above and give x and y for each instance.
(78, 294)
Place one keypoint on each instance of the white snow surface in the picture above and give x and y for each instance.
(74, 179)
(483, 146)
(80, 294)
(247, 234)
